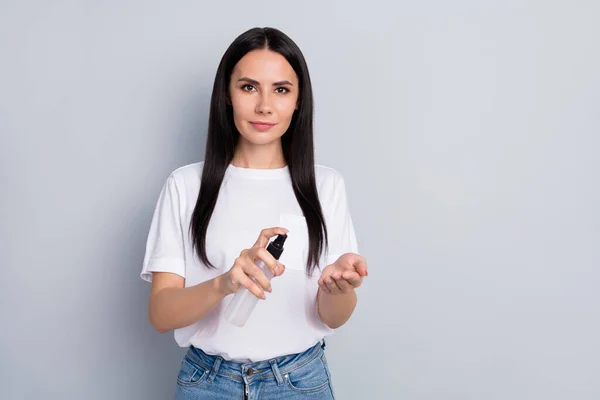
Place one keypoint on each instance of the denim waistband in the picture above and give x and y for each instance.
(247, 372)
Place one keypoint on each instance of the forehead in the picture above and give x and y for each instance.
(264, 66)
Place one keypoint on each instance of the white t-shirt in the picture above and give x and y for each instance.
(250, 200)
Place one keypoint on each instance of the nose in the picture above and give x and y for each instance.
(263, 105)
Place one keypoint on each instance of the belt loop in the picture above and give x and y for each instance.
(215, 369)
(276, 372)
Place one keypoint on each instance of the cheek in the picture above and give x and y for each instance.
(286, 107)
(241, 108)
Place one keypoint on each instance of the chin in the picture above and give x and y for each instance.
(260, 138)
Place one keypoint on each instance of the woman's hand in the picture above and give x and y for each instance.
(344, 275)
(245, 273)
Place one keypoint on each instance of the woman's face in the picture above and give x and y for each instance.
(263, 89)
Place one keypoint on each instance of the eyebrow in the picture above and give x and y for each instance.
(252, 81)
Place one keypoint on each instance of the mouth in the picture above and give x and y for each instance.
(261, 125)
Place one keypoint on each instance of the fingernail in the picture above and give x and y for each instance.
(264, 297)
(270, 290)
(278, 269)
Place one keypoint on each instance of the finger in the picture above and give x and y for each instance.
(259, 276)
(262, 254)
(332, 286)
(280, 269)
(324, 287)
(251, 285)
(266, 234)
(353, 278)
(324, 275)
(360, 265)
(336, 274)
(344, 285)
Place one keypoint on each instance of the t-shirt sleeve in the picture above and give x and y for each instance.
(341, 235)
(164, 247)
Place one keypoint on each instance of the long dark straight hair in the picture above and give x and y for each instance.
(297, 142)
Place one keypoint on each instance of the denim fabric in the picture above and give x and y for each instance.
(292, 377)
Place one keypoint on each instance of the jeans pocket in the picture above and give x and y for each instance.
(310, 378)
(190, 374)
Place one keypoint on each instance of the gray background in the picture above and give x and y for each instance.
(468, 137)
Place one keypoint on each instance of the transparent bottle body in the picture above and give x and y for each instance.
(244, 302)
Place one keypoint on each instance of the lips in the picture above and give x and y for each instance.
(261, 125)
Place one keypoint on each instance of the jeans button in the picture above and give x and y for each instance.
(250, 372)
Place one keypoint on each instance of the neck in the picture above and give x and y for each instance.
(267, 156)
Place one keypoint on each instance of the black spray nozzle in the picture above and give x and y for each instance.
(276, 246)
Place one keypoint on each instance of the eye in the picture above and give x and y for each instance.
(285, 90)
(245, 88)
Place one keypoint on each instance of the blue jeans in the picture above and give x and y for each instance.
(292, 377)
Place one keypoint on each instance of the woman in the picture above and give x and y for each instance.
(258, 178)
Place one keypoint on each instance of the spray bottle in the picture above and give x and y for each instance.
(244, 301)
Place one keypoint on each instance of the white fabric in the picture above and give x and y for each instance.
(249, 201)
